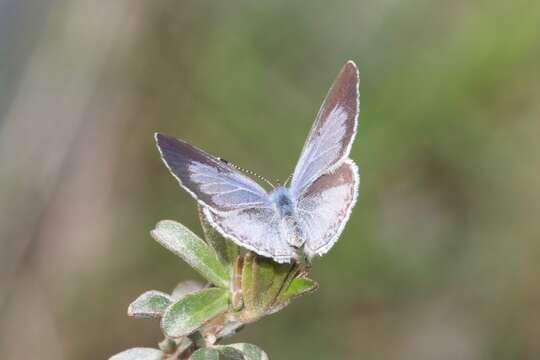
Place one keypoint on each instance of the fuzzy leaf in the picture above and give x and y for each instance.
(151, 304)
(138, 354)
(193, 310)
(205, 354)
(231, 353)
(226, 250)
(297, 287)
(242, 351)
(182, 242)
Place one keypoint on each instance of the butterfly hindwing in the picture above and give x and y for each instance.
(324, 208)
(257, 229)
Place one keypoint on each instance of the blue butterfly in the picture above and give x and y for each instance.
(305, 218)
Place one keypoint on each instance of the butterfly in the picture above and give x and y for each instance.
(304, 218)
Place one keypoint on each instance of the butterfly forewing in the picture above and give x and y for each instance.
(333, 131)
(211, 181)
(325, 206)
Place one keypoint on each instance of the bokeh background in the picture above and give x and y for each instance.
(441, 258)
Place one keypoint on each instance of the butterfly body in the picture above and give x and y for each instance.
(284, 205)
(305, 218)
(281, 198)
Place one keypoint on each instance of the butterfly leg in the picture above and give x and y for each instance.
(303, 261)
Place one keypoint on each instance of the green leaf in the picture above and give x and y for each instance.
(242, 351)
(226, 250)
(297, 287)
(138, 354)
(182, 242)
(205, 354)
(151, 304)
(230, 353)
(262, 281)
(193, 310)
(269, 278)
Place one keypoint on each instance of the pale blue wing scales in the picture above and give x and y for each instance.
(257, 229)
(236, 206)
(209, 180)
(330, 139)
(324, 208)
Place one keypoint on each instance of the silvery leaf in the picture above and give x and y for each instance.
(193, 310)
(182, 242)
(242, 351)
(151, 304)
(205, 354)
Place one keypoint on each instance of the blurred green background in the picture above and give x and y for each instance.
(441, 258)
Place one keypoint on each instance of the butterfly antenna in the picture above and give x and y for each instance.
(247, 171)
(287, 180)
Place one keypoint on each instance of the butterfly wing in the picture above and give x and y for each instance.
(324, 208)
(330, 139)
(210, 181)
(257, 229)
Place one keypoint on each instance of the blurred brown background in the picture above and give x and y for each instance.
(441, 257)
